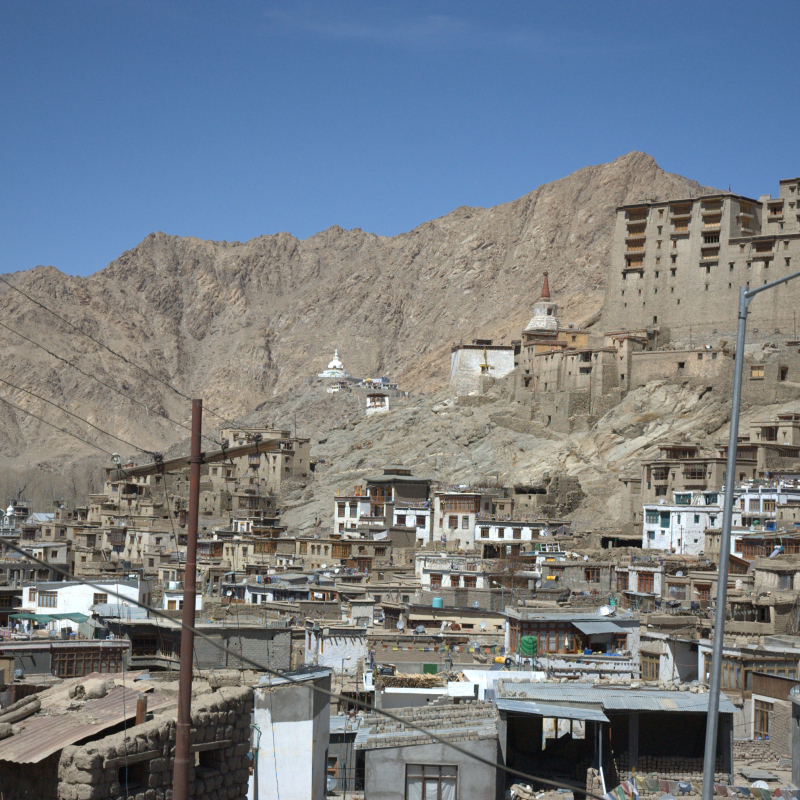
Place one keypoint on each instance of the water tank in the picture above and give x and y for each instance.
(437, 602)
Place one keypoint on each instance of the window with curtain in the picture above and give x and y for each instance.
(431, 782)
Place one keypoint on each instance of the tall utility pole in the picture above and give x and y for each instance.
(718, 631)
(180, 778)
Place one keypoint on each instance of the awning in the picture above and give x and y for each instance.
(40, 618)
(593, 627)
(74, 617)
(549, 710)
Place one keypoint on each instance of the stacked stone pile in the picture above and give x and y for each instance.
(470, 720)
(753, 750)
(671, 767)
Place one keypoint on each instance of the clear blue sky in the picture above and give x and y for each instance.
(228, 120)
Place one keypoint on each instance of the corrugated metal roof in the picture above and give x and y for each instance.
(547, 710)
(598, 626)
(611, 698)
(45, 734)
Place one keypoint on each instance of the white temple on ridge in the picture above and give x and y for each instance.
(335, 368)
(545, 312)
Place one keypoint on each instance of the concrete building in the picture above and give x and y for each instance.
(571, 632)
(156, 644)
(399, 763)
(292, 722)
(442, 571)
(456, 511)
(679, 526)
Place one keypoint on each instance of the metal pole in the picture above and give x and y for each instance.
(715, 683)
(180, 780)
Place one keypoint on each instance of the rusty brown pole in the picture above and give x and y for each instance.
(141, 709)
(180, 776)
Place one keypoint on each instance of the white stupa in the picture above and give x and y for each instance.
(545, 317)
(335, 368)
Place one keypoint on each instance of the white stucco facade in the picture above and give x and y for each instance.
(338, 649)
(64, 597)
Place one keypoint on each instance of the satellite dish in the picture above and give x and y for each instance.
(400, 624)
(679, 574)
(483, 624)
(229, 593)
(476, 604)
(419, 629)
(538, 584)
(604, 611)
(331, 783)
(586, 558)
(324, 566)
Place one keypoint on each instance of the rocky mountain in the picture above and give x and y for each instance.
(242, 324)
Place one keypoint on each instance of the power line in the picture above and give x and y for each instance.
(84, 421)
(113, 352)
(102, 383)
(73, 435)
(327, 692)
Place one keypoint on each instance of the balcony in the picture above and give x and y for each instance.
(709, 254)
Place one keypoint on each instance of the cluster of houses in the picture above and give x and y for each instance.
(479, 613)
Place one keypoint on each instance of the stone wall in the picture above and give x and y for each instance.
(30, 781)
(747, 750)
(138, 763)
(780, 723)
(266, 645)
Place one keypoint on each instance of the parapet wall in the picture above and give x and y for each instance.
(466, 367)
(138, 763)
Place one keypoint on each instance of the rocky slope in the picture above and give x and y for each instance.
(241, 324)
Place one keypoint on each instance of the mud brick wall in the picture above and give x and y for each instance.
(780, 719)
(137, 764)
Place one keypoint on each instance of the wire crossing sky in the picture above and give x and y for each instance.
(237, 119)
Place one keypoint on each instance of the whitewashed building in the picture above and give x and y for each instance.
(680, 526)
(377, 403)
(340, 648)
(443, 571)
(292, 725)
(71, 597)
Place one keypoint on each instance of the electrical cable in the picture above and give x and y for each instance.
(73, 435)
(326, 692)
(103, 383)
(81, 419)
(272, 726)
(114, 352)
